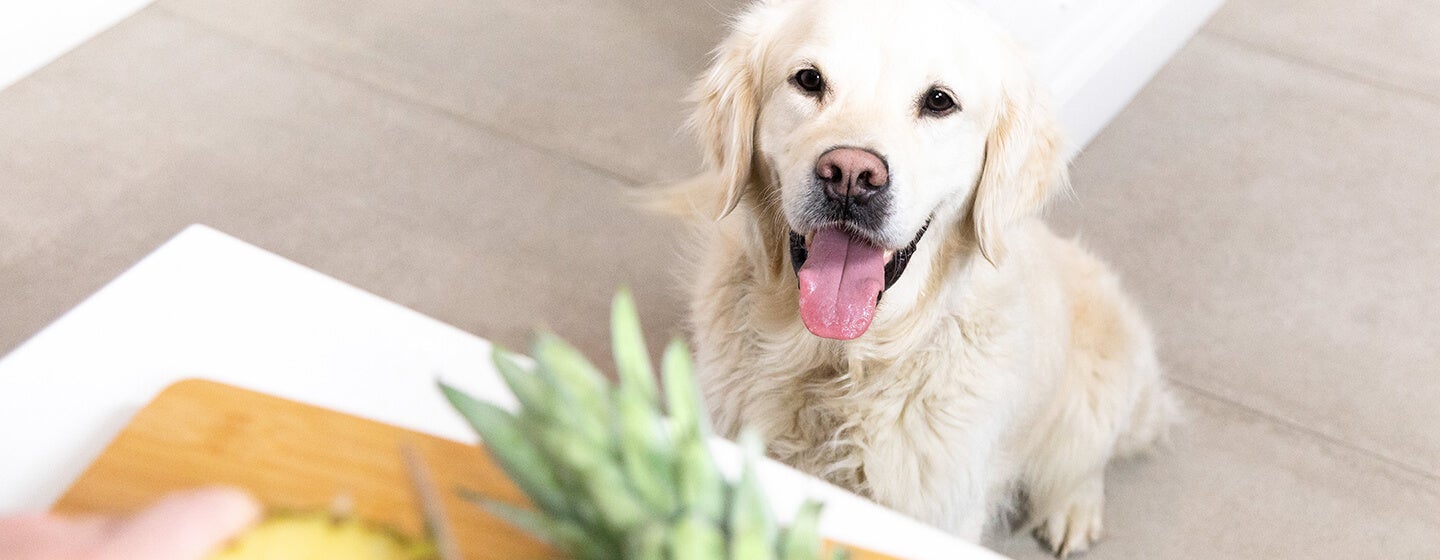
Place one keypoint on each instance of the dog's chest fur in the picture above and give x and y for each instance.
(904, 408)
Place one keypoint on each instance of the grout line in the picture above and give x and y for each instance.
(1323, 67)
(393, 95)
(1308, 431)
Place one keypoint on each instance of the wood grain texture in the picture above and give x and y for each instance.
(296, 456)
(291, 455)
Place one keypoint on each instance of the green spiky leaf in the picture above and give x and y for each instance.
(530, 389)
(694, 537)
(575, 377)
(559, 534)
(645, 452)
(801, 541)
(752, 526)
(512, 449)
(682, 394)
(611, 475)
(632, 359)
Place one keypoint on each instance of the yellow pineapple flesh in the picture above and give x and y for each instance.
(322, 536)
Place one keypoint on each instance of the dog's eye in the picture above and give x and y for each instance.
(809, 80)
(938, 102)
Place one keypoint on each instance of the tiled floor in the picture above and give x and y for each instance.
(1272, 199)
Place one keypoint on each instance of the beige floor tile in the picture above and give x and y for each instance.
(1238, 486)
(1388, 41)
(599, 79)
(1282, 227)
(166, 124)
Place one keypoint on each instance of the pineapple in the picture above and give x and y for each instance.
(611, 476)
(322, 536)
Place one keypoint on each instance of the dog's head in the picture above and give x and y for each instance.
(865, 124)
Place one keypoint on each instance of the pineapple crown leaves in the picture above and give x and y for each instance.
(610, 474)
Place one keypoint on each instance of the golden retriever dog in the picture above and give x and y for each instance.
(877, 297)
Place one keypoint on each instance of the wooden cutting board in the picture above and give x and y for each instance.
(292, 455)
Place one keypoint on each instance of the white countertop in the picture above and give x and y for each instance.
(35, 32)
(207, 305)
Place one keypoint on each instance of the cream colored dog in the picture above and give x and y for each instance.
(879, 300)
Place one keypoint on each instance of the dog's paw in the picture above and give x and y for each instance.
(1077, 525)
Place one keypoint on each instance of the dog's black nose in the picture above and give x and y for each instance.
(852, 174)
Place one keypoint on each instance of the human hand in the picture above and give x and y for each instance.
(182, 526)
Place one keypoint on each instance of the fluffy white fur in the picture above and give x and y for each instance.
(1005, 362)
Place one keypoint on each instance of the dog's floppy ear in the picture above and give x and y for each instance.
(727, 107)
(1024, 164)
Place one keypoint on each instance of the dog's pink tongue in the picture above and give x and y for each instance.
(839, 284)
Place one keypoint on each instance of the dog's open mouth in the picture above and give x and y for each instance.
(842, 277)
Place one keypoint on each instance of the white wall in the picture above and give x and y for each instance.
(1097, 54)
